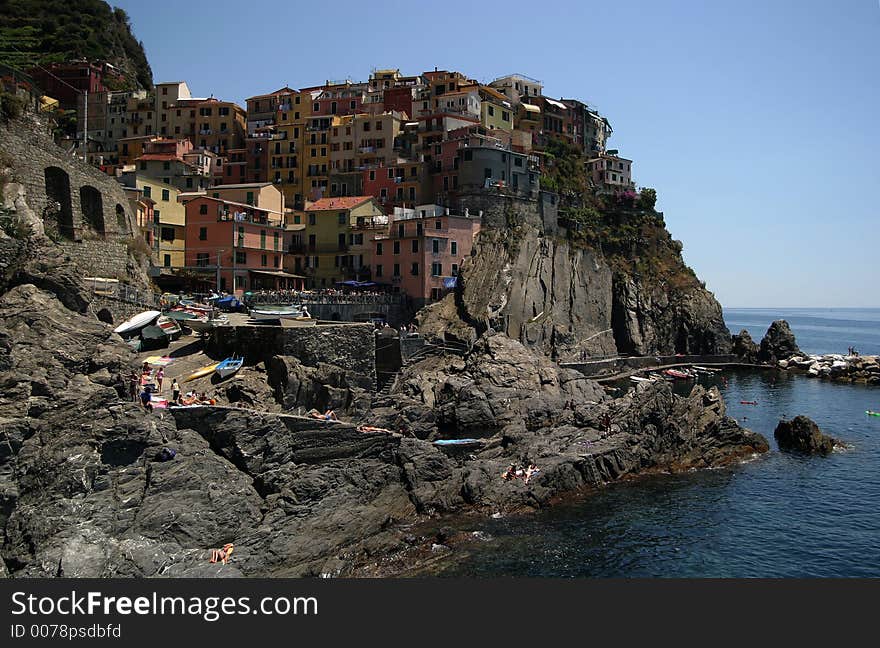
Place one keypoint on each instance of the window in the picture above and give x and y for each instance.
(396, 269)
(202, 259)
(505, 116)
(454, 269)
(378, 125)
(311, 219)
(166, 166)
(166, 195)
(435, 246)
(366, 127)
(203, 233)
(143, 166)
(396, 247)
(166, 260)
(275, 241)
(378, 249)
(148, 190)
(468, 155)
(240, 257)
(341, 218)
(438, 224)
(264, 260)
(436, 269)
(415, 245)
(414, 270)
(379, 270)
(263, 240)
(250, 198)
(487, 172)
(167, 233)
(453, 248)
(372, 175)
(275, 261)
(203, 208)
(400, 230)
(491, 111)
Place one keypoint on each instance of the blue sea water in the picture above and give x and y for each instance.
(817, 330)
(779, 515)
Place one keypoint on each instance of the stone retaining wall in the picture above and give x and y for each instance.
(350, 346)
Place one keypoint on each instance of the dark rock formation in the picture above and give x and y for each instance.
(778, 343)
(803, 435)
(745, 347)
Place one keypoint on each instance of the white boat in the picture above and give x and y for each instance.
(206, 324)
(137, 322)
(171, 327)
(277, 313)
(638, 379)
(294, 322)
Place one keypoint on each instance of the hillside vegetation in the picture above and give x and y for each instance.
(624, 226)
(37, 32)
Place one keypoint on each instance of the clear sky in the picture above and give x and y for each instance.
(757, 122)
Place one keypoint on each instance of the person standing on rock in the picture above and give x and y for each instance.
(175, 390)
(160, 376)
(133, 384)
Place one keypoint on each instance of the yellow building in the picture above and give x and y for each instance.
(169, 219)
(286, 157)
(496, 112)
(326, 234)
(259, 194)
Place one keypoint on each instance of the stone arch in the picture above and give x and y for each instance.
(58, 198)
(92, 205)
(121, 220)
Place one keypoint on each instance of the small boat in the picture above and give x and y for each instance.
(638, 379)
(154, 337)
(276, 313)
(748, 402)
(706, 369)
(207, 324)
(181, 315)
(678, 375)
(137, 322)
(872, 413)
(293, 322)
(458, 443)
(204, 371)
(229, 366)
(171, 327)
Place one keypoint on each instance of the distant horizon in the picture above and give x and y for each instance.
(800, 307)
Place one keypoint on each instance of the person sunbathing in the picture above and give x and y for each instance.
(223, 554)
(510, 473)
(329, 415)
(372, 428)
(531, 470)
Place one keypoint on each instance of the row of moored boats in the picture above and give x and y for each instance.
(683, 373)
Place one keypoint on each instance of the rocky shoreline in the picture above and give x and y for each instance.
(863, 370)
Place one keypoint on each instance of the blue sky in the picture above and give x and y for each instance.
(757, 122)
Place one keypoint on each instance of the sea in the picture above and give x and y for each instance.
(778, 515)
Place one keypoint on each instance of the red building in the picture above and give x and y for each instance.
(239, 247)
(56, 80)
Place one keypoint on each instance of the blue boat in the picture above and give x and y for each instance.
(229, 366)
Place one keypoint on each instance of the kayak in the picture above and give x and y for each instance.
(204, 371)
(680, 375)
(872, 413)
(748, 402)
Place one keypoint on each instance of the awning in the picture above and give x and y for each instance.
(558, 104)
(277, 273)
(531, 108)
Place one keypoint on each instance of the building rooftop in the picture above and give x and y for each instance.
(246, 185)
(338, 203)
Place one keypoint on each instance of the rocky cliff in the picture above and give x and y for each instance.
(566, 294)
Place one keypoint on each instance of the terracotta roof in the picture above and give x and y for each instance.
(159, 156)
(349, 202)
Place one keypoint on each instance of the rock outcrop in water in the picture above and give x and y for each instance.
(803, 435)
(744, 347)
(778, 343)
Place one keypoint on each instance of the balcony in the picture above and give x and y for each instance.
(206, 131)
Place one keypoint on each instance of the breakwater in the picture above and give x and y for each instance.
(836, 367)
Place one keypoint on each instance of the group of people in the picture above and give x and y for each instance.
(515, 472)
(322, 296)
(853, 352)
(143, 385)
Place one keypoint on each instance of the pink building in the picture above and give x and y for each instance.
(238, 246)
(423, 251)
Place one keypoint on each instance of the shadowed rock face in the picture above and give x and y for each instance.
(778, 343)
(801, 434)
(745, 347)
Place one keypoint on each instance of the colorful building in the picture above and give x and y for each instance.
(167, 218)
(423, 250)
(238, 247)
(610, 171)
(331, 226)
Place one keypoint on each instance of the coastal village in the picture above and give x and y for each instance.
(356, 183)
